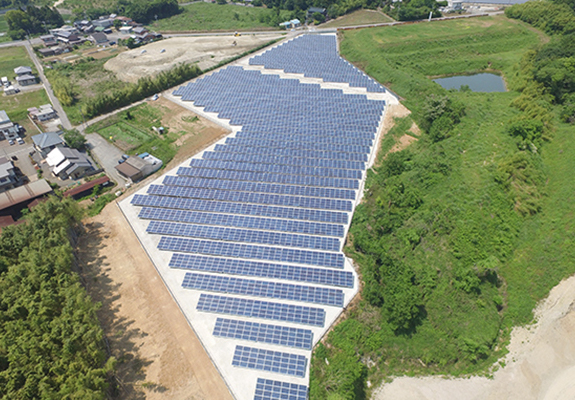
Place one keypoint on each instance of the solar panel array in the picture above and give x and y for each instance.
(257, 222)
(265, 333)
(268, 360)
(267, 389)
(315, 56)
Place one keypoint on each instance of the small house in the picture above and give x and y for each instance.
(26, 80)
(103, 23)
(44, 113)
(68, 163)
(139, 30)
(9, 129)
(49, 40)
(312, 10)
(45, 142)
(137, 168)
(8, 177)
(19, 71)
(126, 30)
(98, 38)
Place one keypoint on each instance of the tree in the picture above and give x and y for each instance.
(318, 18)
(75, 139)
(117, 24)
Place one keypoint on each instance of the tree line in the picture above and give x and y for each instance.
(142, 11)
(50, 340)
(32, 21)
(145, 87)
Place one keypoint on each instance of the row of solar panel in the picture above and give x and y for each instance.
(243, 235)
(273, 168)
(230, 266)
(270, 224)
(267, 389)
(261, 309)
(264, 333)
(304, 180)
(275, 160)
(244, 186)
(226, 249)
(275, 290)
(316, 136)
(314, 146)
(244, 209)
(286, 152)
(271, 361)
(248, 197)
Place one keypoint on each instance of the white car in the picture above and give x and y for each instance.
(20, 140)
(11, 141)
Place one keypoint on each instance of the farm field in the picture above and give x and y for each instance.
(359, 17)
(448, 218)
(12, 57)
(131, 130)
(213, 17)
(16, 106)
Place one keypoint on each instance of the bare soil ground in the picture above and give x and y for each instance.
(402, 143)
(159, 355)
(540, 364)
(206, 51)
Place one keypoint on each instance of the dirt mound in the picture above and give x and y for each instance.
(206, 51)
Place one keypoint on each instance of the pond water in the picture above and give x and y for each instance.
(477, 83)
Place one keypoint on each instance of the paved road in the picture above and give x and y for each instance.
(107, 155)
(57, 106)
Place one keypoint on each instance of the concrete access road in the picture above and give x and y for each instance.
(107, 155)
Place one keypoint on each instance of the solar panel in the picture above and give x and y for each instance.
(271, 224)
(260, 187)
(245, 209)
(271, 361)
(246, 197)
(264, 333)
(322, 259)
(276, 290)
(321, 276)
(267, 389)
(261, 309)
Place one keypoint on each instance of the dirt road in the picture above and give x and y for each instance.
(159, 356)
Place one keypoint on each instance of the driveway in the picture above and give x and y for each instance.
(107, 155)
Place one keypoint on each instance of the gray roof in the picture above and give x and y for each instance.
(22, 70)
(4, 117)
(99, 37)
(25, 77)
(47, 139)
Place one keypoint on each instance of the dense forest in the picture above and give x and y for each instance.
(458, 235)
(51, 344)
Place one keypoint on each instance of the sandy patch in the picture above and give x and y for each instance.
(540, 364)
(206, 51)
(392, 111)
(402, 143)
(159, 356)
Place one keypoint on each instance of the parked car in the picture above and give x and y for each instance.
(11, 141)
(121, 160)
(20, 140)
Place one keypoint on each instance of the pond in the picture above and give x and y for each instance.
(477, 83)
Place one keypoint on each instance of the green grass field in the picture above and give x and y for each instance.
(359, 17)
(125, 136)
(464, 220)
(213, 17)
(12, 57)
(131, 130)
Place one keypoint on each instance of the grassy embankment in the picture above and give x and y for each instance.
(4, 29)
(440, 228)
(214, 17)
(359, 17)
